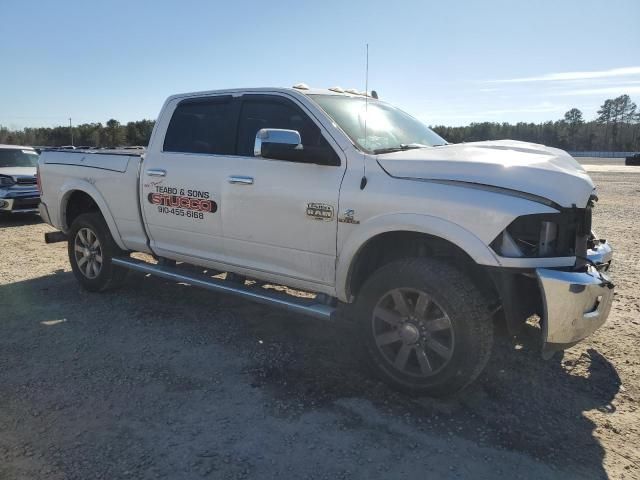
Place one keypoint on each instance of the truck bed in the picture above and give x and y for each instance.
(110, 177)
(116, 160)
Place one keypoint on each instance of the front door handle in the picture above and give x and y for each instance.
(156, 172)
(240, 180)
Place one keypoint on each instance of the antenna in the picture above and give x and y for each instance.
(363, 182)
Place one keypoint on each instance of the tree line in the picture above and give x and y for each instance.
(616, 128)
(111, 134)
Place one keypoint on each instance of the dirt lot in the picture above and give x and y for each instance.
(159, 380)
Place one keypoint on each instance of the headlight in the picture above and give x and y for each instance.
(563, 234)
(6, 181)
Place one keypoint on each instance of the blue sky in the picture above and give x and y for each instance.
(450, 62)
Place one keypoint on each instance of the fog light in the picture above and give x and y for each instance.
(595, 305)
(3, 203)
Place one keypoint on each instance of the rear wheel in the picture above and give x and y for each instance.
(91, 249)
(425, 326)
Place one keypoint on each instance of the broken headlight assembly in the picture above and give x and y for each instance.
(563, 234)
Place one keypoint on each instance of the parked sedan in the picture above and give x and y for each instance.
(633, 159)
(18, 188)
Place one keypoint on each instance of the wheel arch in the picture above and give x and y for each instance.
(82, 197)
(406, 234)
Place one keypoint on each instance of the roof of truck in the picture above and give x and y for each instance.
(354, 92)
(298, 88)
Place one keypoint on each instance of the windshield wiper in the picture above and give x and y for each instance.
(399, 148)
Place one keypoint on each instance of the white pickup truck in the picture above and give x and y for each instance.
(342, 195)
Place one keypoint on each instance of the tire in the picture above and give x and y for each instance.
(84, 252)
(425, 326)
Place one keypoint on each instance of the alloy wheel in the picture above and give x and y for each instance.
(412, 332)
(88, 253)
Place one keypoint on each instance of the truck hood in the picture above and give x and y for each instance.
(525, 167)
(18, 171)
(23, 176)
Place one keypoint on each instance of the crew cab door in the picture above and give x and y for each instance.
(180, 179)
(280, 216)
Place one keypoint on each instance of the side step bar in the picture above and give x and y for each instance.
(259, 295)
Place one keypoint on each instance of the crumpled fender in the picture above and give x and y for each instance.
(435, 226)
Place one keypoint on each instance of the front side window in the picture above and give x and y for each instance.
(261, 111)
(201, 126)
(13, 157)
(387, 128)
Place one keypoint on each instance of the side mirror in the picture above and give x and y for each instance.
(278, 144)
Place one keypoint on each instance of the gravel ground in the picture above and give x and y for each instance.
(159, 380)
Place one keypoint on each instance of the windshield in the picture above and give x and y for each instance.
(14, 157)
(388, 128)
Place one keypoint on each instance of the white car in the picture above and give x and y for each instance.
(348, 197)
(18, 190)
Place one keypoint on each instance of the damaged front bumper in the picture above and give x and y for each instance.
(575, 304)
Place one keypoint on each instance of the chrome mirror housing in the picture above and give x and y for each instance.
(277, 143)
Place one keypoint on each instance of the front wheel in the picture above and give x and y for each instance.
(425, 326)
(91, 249)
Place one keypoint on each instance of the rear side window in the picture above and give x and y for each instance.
(262, 111)
(201, 126)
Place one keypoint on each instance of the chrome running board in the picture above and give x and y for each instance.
(304, 306)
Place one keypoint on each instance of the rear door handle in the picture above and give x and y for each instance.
(156, 172)
(240, 180)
